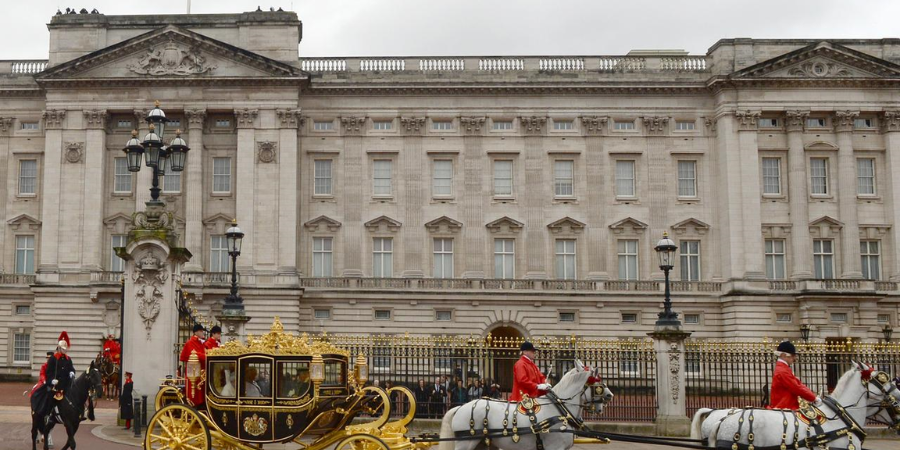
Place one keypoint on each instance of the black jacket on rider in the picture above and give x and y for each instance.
(60, 368)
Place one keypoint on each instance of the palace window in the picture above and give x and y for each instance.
(30, 126)
(382, 314)
(625, 179)
(116, 264)
(687, 179)
(690, 260)
(382, 177)
(839, 317)
(443, 316)
(222, 123)
(818, 173)
(565, 259)
(629, 318)
(171, 180)
(218, 254)
(322, 314)
(443, 258)
(784, 318)
(502, 124)
(771, 172)
(382, 124)
(504, 258)
(628, 258)
(684, 125)
(563, 125)
(322, 256)
(22, 348)
(503, 178)
(322, 177)
(566, 317)
(623, 125)
(775, 267)
(768, 122)
(28, 177)
(865, 176)
(221, 175)
(564, 178)
(692, 319)
(441, 125)
(25, 255)
(323, 125)
(823, 258)
(816, 122)
(870, 254)
(442, 178)
(383, 258)
(23, 310)
(884, 318)
(863, 123)
(123, 123)
(122, 183)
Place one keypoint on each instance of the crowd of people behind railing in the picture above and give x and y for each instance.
(435, 397)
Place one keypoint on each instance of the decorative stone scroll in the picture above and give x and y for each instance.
(353, 125)
(747, 120)
(53, 118)
(6, 124)
(819, 69)
(594, 125)
(290, 118)
(795, 120)
(95, 118)
(195, 117)
(74, 152)
(533, 124)
(413, 125)
(891, 121)
(674, 369)
(266, 151)
(844, 120)
(472, 125)
(246, 118)
(171, 59)
(655, 124)
(149, 276)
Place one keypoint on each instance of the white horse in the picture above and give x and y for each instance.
(861, 393)
(498, 416)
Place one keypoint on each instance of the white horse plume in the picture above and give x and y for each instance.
(859, 393)
(572, 390)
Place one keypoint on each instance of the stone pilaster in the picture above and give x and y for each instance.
(891, 129)
(289, 120)
(194, 192)
(6, 127)
(354, 160)
(474, 202)
(245, 186)
(847, 189)
(730, 198)
(598, 176)
(801, 247)
(751, 210)
(93, 158)
(660, 192)
(671, 417)
(535, 242)
(54, 122)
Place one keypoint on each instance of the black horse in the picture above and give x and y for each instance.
(85, 388)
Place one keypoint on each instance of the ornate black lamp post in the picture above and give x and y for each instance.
(665, 249)
(158, 154)
(804, 332)
(888, 331)
(234, 304)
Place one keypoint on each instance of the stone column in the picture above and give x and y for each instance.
(6, 127)
(152, 265)
(891, 128)
(288, 121)
(145, 176)
(660, 188)
(354, 199)
(751, 210)
(598, 192)
(535, 242)
(245, 186)
(801, 247)
(193, 195)
(54, 121)
(730, 198)
(671, 417)
(412, 171)
(94, 160)
(472, 168)
(847, 188)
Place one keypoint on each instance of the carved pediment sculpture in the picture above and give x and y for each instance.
(74, 152)
(171, 58)
(821, 61)
(266, 151)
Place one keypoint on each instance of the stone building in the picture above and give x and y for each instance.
(455, 195)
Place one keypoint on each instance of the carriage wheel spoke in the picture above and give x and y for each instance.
(194, 437)
(159, 438)
(191, 447)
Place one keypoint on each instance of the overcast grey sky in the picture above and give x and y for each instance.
(499, 27)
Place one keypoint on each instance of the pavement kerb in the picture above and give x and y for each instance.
(101, 432)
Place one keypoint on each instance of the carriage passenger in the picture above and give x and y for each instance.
(251, 386)
(786, 387)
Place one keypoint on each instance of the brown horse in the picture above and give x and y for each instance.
(109, 372)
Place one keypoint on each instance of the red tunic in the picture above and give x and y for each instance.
(42, 379)
(195, 344)
(211, 343)
(115, 350)
(786, 387)
(526, 378)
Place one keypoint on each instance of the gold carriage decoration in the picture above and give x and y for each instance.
(280, 388)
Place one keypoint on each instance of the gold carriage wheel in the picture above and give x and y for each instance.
(177, 427)
(163, 393)
(361, 442)
(384, 410)
(412, 404)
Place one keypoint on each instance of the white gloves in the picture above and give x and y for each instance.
(71, 374)
(54, 382)
(818, 401)
(544, 387)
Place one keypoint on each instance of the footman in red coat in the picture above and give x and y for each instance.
(528, 379)
(786, 387)
(195, 343)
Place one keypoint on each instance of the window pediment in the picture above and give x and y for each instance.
(383, 223)
(690, 226)
(505, 224)
(117, 223)
(872, 231)
(566, 225)
(24, 222)
(322, 223)
(217, 223)
(628, 225)
(776, 230)
(821, 146)
(443, 224)
(824, 227)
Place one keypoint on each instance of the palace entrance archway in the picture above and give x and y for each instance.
(506, 340)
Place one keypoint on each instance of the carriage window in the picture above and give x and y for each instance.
(293, 379)
(334, 374)
(222, 383)
(256, 379)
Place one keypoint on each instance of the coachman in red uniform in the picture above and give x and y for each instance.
(195, 343)
(527, 378)
(786, 387)
(215, 338)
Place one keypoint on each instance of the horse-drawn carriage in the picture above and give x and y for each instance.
(279, 388)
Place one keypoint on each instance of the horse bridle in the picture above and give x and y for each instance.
(889, 403)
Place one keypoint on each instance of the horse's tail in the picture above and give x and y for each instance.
(447, 430)
(699, 417)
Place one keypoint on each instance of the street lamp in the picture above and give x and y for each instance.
(234, 304)
(665, 249)
(804, 332)
(887, 331)
(158, 154)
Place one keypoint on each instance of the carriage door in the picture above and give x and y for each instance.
(255, 408)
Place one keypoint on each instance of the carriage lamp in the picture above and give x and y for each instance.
(361, 371)
(234, 304)
(156, 151)
(804, 332)
(317, 370)
(192, 370)
(665, 249)
(888, 332)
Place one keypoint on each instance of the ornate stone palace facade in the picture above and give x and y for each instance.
(455, 195)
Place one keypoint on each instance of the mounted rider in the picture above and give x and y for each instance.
(786, 387)
(527, 378)
(60, 373)
(112, 349)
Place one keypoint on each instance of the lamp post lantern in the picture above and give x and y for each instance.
(888, 331)
(234, 304)
(158, 154)
(665, 249)
(804, 332)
